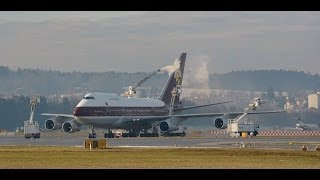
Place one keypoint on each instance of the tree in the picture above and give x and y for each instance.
(270, 94)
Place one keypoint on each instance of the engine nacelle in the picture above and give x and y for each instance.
(221, 122)
(168, 126)
(52, 124)
(70, 127)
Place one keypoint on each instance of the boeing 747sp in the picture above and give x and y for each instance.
(137, 115)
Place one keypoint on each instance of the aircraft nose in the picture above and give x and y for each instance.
(76, 111)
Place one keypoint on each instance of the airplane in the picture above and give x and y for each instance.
(138, 115)
(307, 127)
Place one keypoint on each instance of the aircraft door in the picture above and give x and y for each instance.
(107, 111)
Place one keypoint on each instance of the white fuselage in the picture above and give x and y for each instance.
(110, 111)
(307, 126)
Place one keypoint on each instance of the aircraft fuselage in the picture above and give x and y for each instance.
(110, 111)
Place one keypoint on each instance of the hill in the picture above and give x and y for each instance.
(31, 81)
(260, 80)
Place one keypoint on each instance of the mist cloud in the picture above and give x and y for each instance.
(196, 73)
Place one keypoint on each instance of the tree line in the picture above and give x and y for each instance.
(15, 110)
(47, 82)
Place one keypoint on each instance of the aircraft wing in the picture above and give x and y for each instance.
(182, 117)
(230, 114)
(191, 107)
(148, 120)
(59, 117)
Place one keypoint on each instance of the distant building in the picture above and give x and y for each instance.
(288, 106)
(313, 101)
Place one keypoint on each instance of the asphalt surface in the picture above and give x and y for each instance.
(163, 142)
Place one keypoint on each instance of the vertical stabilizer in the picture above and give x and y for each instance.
(175, 78)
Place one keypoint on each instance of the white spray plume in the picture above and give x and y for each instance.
(196, 73)
(172, 68)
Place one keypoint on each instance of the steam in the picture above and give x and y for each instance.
(196, 74)
(171, 68)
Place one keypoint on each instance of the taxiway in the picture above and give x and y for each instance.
(186, 142)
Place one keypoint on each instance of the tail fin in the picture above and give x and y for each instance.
(175, 78)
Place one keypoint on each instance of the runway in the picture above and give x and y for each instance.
(165, 142)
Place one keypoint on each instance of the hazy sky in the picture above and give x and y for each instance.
(145, 41)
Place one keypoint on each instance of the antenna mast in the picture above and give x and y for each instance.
(31, 127)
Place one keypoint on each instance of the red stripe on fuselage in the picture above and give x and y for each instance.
(120, 111)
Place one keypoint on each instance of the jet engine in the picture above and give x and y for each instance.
(52, 124)
(221, 122)
(168, 126)
(70, 127)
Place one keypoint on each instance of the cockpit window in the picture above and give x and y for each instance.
(88, 97)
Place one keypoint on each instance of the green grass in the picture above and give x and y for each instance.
(75, 157)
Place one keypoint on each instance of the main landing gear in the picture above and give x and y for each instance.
(109, 134)
(145, 133)
(171, 134)
(132, 133)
